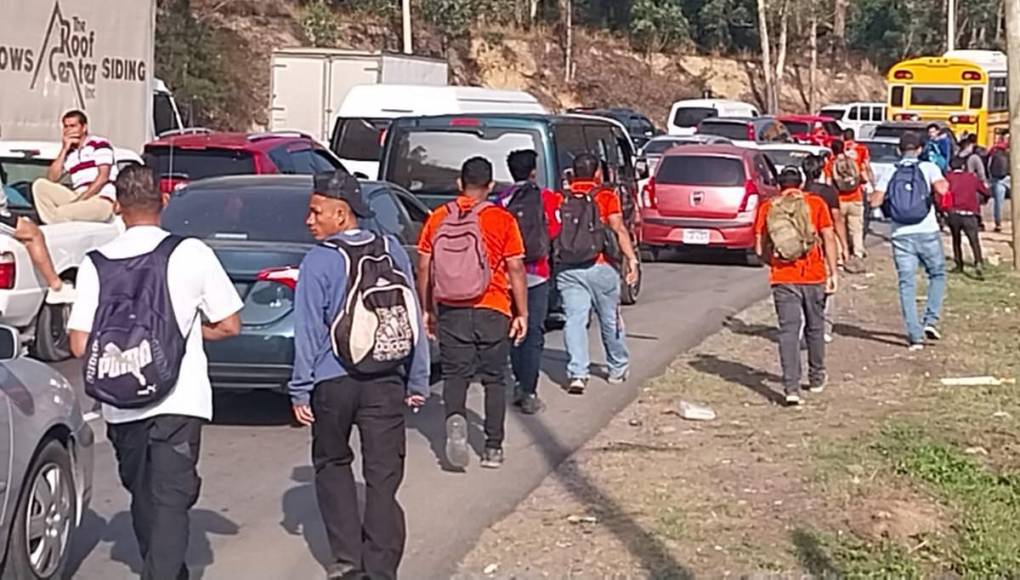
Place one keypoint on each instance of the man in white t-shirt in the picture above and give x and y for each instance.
(918, 243)
(89, 163)
(157, 447)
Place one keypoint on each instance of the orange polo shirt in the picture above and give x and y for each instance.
(606, 200)
(862, 158)
(810, 268)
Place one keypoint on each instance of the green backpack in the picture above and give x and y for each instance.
(789, 226)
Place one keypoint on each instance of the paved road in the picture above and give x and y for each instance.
(257, 518)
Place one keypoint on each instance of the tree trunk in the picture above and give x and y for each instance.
(784, 24)
(813, 71)
(766, 55)
(839, 29)
(533, 12)
(568, 58)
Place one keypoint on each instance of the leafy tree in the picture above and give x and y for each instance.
(657, 25)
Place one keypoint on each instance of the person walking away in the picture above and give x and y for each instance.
(794, 235)
(962, 204)
(471, 267)
(998, 175)
(360, 357)
(592, 239)
(146, 292)
(88, 161)
(905, 195)
(536, 212)
(845, 175)
(813, 166)
(971, 156)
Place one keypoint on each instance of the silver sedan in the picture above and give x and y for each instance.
(45, 465)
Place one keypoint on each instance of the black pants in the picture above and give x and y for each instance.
(475, 342)
(376, 406)
(526, 358)
(965, 224)
(800, 305)
(158, 460)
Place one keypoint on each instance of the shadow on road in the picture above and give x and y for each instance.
(881, 337)
(738, 326)
(704, 256)
(301, 515)
(430, 421)
(251, 408)
(738, 373)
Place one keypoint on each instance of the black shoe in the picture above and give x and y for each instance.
(932, 333)
(998, 229)
(531, 404)
(958, 270)
(519, 397)
(344, 572)
(979, 274)
(492, 458)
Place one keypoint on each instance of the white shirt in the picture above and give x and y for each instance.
(83, 162)
(197, 283)
(933, 175)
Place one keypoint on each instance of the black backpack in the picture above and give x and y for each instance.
(526, 205)
(135, 348)
(376, 328)
(582, 237)
(998, 164)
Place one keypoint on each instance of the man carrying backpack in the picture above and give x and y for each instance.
(360, 357)
(144, 293)
(905, 195)
(848, 170)
(802, 273)
(537, 217)
(474, 295)
(593, 238)
(998, 175)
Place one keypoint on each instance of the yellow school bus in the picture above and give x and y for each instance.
(965, 88)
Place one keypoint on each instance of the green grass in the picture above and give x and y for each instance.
(844, 556)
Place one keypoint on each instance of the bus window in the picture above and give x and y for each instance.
(936, 96)
(977, 97)
(896, 96)
(1000, 95)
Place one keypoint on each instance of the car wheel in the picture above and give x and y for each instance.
(753, 259)
(52, 343)
(629, 293)
(45, 517)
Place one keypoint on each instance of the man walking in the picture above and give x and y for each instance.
(537, 218)
(963, 211)
(593, 235)
(157, 445)
(802, 272)
(472, 268)
(998, 175)
(906, 197)
(333, 389)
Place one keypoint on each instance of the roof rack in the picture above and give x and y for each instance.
(275, 134)
(184, 131)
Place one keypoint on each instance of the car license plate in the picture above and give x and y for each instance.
(696, 237)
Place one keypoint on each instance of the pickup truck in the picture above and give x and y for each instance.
(22, 290)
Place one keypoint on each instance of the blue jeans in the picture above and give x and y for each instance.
(580, 289)
(1000, 187)
(909, 251)
(526, 358)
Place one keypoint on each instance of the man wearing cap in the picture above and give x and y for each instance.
(328, 398)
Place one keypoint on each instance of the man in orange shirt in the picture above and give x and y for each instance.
(800, 286)
(466, 243)
(852, 202)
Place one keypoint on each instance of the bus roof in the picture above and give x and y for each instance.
(985, 62)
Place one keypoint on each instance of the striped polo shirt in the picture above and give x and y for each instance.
(82, 166)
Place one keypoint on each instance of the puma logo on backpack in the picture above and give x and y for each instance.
(460, 264)
(788, 223)
(846, 177)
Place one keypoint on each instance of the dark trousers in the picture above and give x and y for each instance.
(800, 305)
(375, 544)
(475, 342)
(526, 358)
(157, 460)
(965, 224)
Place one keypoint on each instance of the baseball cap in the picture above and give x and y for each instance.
(910, 141)
(343, 186)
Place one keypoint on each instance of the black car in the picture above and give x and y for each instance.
(639, 127)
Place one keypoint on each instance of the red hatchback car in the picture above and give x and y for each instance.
(193, 154)
(801, 128)
(705, 196)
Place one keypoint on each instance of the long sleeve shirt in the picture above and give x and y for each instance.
(321, 291)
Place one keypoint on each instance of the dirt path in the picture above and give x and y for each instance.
(852, 483)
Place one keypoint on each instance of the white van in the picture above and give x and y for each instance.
(863, 118)
(685, 115)
(367, 111)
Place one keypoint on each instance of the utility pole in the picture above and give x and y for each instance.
(1013, 60)
(407, 26)
(951, 25)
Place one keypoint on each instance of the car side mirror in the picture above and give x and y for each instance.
(641, 167)
(10, 343)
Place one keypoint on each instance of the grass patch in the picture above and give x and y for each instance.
(844, 556)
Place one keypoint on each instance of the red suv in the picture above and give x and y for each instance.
(705, 196)
(801, 128)
(193, 154)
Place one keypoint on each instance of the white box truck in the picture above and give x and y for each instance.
(309, 84)
(93, 55)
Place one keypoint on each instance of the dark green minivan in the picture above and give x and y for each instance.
(424, 155)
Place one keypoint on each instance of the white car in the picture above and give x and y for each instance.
(22, 288)
(785, 155)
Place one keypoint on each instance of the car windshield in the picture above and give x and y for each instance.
(691, 116)
(834, 114)
(730, 130)
(429, 161)
(361, 139)
(700, 170)
(881, 152)
(19, 174)
(199, 164)
(787, 157)
(658, 146)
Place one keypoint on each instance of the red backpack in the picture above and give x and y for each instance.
(460, 264)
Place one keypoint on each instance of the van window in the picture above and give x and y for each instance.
(602, 143)
(700, 170)
(834, 114)
(728, 129)
(570, 142)
(878, 113)
(359, 139)
(429, 160)
(690, 116)
(853, 114)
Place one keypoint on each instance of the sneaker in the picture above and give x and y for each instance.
(916, 347)
(828, 338)
(64, 295)
(792, 399)
(998, 229)
(457, 441)
(932, 333)
(519, 396)
(531, 404)
(855, 265)
(819, 386)
(492, 458)
(577, 386)
(619, 379)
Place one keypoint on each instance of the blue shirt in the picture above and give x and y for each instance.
(321, 290)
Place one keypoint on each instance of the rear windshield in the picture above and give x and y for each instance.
(936, 96)
(700, 170)
(429, 161)
(834, 114)
(798, 127)
(898, 131)
(360, 139)
(734, 131)
(691, 116)
(786, 157)
(16, 178)
(199, 164)
(883, 152)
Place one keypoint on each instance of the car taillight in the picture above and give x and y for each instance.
(7, 271)
(648, 194)
(751, 195)
(288, 276)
